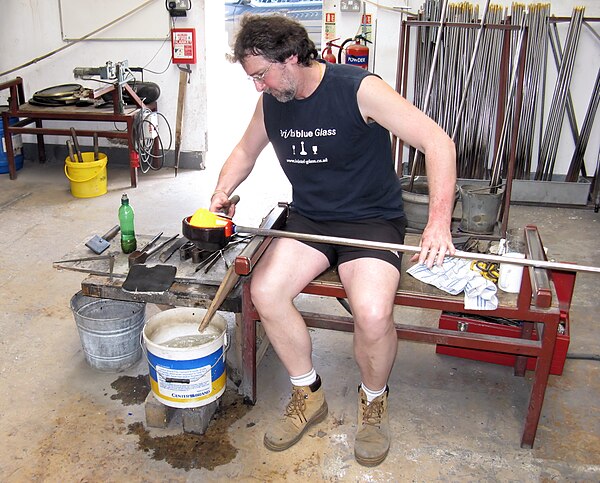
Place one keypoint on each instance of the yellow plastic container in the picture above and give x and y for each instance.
(88, 179)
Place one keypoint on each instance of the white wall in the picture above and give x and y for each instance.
(31, 28)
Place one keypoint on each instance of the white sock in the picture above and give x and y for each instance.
(305, 380)
(372, 394)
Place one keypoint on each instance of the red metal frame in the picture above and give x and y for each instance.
(546, 320)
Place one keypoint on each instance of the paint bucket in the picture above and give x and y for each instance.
(109, 331)
(480, 209)
(187, 368)
(17, 148)
(88, 179)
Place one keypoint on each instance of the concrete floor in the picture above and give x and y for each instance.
(452, 419)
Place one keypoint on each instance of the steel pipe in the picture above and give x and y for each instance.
(351, 242)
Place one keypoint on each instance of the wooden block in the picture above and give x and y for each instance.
(157, 414)
(196, 420)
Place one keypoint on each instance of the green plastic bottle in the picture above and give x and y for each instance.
(128, 241)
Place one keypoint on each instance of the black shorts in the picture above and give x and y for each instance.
(373, 229)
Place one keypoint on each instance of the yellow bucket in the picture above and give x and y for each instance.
(88, 179)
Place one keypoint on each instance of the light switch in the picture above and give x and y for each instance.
(349, 5)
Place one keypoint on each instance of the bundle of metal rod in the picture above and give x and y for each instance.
(502, 150)
(474, 133)
(577, 161)
(417, 163)
(537, 22)
(551, 137)
(557, 55)
(457, 77)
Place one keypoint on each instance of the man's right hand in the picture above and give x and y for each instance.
(220, 203)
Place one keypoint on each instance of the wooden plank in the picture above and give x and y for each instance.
(180, 294)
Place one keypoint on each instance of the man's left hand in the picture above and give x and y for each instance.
(436, 243)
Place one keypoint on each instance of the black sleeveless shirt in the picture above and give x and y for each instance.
(340, 167)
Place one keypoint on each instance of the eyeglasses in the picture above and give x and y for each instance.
(260, 77)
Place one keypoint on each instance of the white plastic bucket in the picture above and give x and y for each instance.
(184, 371)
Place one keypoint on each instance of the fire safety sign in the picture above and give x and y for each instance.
(183, 45)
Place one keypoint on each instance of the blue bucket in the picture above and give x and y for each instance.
(17, 148)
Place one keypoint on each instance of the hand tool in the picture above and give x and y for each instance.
(145, 253)
(76, 144)
(146, 247)
(183, 81)
(100, 243)
(489, 270)
(96, 153)
(71, 151)
(231, 278)
(168, 252)
(231, 227)
(110, 258)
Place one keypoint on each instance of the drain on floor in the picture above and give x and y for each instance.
(131, 390)
(188, 451)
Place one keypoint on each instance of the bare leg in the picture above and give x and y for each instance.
(371, 285)
(284, 270)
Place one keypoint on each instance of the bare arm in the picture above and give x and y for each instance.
(240, 162)
(379, 102)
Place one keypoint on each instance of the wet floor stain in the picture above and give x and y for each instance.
(190, 451)
(131, 390)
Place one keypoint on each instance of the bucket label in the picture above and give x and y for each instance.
(174, 382)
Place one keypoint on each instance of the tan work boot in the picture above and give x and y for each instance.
(372, 441)
(306, 408)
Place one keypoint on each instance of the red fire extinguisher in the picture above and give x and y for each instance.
(327, 53)
(357, 53)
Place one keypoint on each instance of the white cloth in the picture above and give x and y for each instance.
(455, 276)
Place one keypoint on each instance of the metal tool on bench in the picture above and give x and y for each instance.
(136, 253)
(100, 243)
(229, 228)
(144, 254)
(110, 258)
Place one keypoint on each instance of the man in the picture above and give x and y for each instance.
(330, 127)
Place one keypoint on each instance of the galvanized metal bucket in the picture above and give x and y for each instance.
(480, 209)
(109, 331)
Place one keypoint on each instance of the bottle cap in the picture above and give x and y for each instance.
(124, 197)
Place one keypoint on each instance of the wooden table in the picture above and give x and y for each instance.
(29, 114)
(190, 288)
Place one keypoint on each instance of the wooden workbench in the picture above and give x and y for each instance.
(29, 114)
(190, 288)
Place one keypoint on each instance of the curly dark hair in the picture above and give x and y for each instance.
(275, 37)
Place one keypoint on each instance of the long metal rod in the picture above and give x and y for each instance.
(411, 249)
(471, 68)
(438, 42)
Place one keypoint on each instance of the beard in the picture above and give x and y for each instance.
(282, 96)
(287, 91)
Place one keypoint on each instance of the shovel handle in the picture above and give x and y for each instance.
(76, 144)
(71, 151)
(96, 154)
